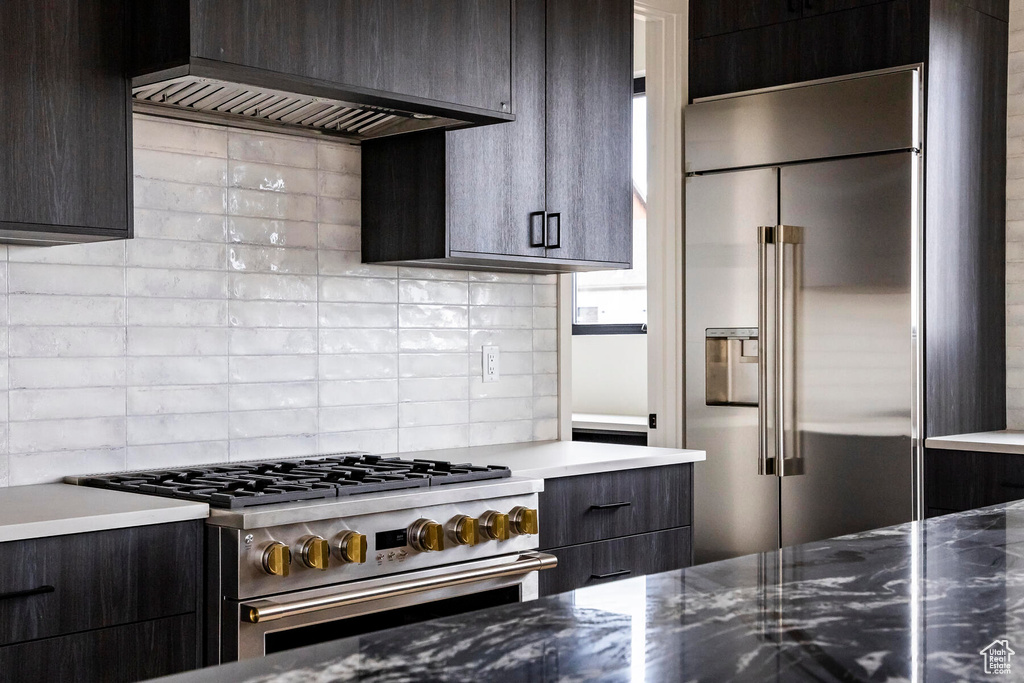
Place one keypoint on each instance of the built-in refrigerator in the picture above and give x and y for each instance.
(803, 306)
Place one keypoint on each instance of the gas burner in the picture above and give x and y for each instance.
(238, 485)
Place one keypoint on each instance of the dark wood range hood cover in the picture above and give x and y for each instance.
(357, 69)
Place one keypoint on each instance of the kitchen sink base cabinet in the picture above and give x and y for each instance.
(117, 605)
(616, 525)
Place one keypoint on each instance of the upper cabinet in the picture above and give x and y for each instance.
(549, 192)
(360, 68)
(739, 45)
(65, 137)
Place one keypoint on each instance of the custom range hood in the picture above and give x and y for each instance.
(358, 69)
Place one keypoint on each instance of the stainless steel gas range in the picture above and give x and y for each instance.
(308, 550)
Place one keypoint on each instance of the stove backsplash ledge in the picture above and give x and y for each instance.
(239, 324)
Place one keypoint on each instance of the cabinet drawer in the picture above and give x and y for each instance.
(965, 480)
(621, 558)
(596, 507)
(123, 653)
(66, 584)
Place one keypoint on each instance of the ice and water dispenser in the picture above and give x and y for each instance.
(731, 366)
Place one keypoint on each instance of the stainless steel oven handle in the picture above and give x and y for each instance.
(269, 610)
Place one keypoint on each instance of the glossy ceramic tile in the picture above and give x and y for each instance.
(240, 323)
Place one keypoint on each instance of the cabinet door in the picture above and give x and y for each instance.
(450, 51)
(589, 124)
(495, 174)
(877, 36)
(714, 17)
(745, 60)
(134, 652)
(65, 135)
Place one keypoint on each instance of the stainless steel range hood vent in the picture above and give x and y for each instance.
(211, 100)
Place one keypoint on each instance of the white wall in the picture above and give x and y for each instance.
(240, 324)
(609, 374)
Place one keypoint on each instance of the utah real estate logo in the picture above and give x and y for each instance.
(997, 657)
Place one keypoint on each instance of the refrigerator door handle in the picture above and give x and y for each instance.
(765, 463)
(792, 465)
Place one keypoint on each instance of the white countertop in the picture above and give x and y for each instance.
(552, 459)
(1004, 441)
(57, 509)
(619, 423)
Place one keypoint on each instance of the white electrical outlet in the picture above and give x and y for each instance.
(491, 364)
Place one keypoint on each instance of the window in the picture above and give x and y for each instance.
(615, 301)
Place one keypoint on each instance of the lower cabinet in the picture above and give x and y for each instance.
(955, 481)
(133, 652)
(590, 564)
(616, 525)
(116, 605)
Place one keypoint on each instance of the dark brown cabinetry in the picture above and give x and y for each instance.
(615, 525)
(440, 56)
(955, 481)
(65, 136)
(749, 45)
(107, 605)
(548, 192)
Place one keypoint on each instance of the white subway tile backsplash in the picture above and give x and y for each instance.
(65, 403)
(277, 396)
(145, 430)
(59, 373)
(175, 400)
(297, 234)
(66, 434)
(35, 309)
(66, 342)
(240, 324)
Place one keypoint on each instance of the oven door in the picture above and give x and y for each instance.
(254, 628)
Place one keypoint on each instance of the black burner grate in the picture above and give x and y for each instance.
(239, 485)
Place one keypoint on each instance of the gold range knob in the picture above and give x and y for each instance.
(463, 529)
(494, 525)
(426, 535)
(316, 552)
(277, 558)
(352, 547)
(524, 520)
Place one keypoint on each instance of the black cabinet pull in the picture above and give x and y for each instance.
(794, 5)
(620, 572)
(27, 593)
(611, 506)
(553, 237)
(537, 229)
(808, 4)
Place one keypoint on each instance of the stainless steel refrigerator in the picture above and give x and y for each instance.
(803, 300)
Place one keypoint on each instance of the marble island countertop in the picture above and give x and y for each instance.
(916, 602)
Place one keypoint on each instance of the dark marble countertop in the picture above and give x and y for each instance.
(916, 602)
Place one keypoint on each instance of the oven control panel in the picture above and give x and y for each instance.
(325, 552)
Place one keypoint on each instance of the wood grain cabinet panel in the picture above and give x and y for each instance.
(119, 654)
(591, 564)
(965, 480)
(65, 136)
(548, 192)
(597, 507)
(67, 584)
(449, 51)
(715, 17)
